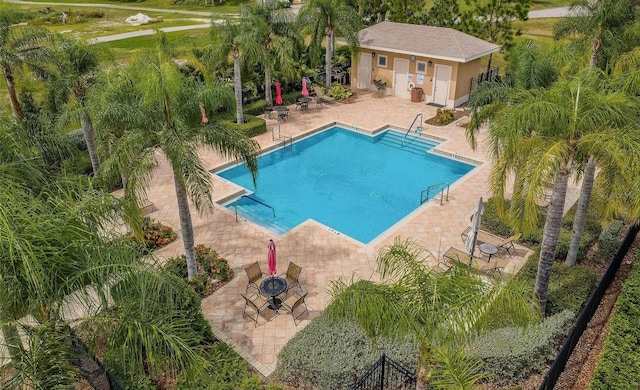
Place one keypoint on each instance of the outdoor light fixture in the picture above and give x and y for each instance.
(373, 54)
(429, 64)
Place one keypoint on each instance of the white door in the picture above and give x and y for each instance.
(400, 78)
(442, 79)
(364, 71)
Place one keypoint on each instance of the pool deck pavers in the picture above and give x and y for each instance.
(323, 255)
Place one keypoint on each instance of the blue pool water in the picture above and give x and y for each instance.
(355, 184)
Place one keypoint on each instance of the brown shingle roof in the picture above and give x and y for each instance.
(427, 41)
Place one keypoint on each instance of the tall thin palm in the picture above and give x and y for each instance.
(20, 46)
(325, 19)
(171, 124)
(542, 137)
(78, 67)
(269, 40)
(231, 44)
(599, 24)
(441, 310)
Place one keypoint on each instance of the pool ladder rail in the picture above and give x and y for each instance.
(287, 141)
(432, 191)
(418, 128)
(255, 200)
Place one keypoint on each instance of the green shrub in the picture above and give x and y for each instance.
(444, 116)
(199, 283)
(619, 364)
(228, 371)
(569, 287)
(251, 127)
(177, 266)
(209, 264)
(212, 264)
(608, 241)
(562, 248)
(338, 92)
(512, 354)
(154, 235)
(256, 108)
(291, 97)
(329, 355)
(493, 221)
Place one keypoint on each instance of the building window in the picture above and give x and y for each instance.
(382, 61)
(421, 67)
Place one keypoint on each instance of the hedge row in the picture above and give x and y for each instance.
(569, 287)
(251, 127)
(619, 364)
(608, 241)
(512, 354)
(494, 221)
(329, 355)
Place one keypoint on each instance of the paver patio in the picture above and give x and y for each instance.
(323, 255)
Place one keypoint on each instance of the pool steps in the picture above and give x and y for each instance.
(412, 144)
(259, 214)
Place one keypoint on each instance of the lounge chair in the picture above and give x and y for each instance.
(256, 304)
(490, 267)
(505, 244)
(294, 302)
(292, 276)
(255, 276)
(321, 96)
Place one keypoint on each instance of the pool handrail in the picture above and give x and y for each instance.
(255, 200)
(411, 126)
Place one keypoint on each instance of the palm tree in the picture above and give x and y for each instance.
(170, 123)
(325, 19)
(600, 25)
(545, 135)
(529, 67)
(77, 70)
(270, 40)
(141, 309)
(441, 310)
(20, 46)
(231, 45)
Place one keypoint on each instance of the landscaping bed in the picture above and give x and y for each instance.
(442, 120)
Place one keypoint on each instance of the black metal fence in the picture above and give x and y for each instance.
(492, 74)
(385, 374)
(588, 311)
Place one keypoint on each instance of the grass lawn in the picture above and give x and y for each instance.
(125, 49)
(229, 6)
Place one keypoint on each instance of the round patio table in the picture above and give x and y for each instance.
(273, 287)
(488, 249)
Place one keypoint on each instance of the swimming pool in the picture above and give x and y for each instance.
(353, 183)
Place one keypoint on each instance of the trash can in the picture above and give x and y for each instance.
(416, 95)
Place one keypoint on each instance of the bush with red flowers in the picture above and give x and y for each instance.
(154, 235)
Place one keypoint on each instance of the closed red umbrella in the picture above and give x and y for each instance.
(278, 93)
(305, 91)
(271, 257)
(205, 120)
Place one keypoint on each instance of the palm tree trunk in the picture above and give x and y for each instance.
(550, 236)
(596, 43)
(12, 341)
(237, 86)
(13, 98)
(186, 226)
(90, 139)
(581, 212)
(267, 84)
(328, 55)
(90, 368)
